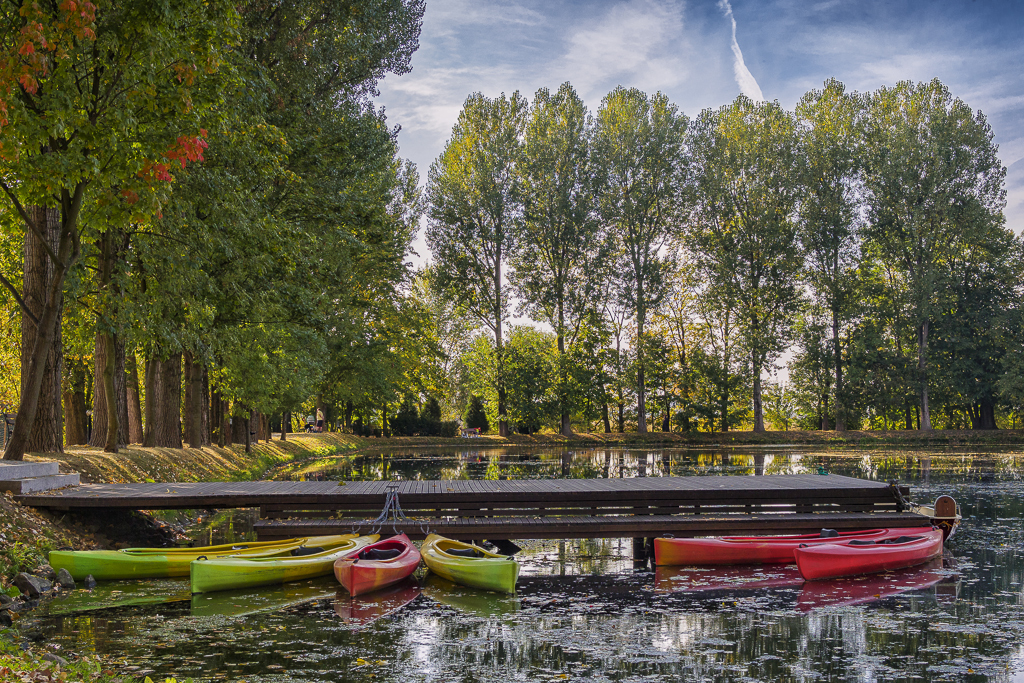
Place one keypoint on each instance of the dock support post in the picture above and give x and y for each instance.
(639, 549)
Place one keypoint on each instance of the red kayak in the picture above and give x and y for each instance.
(377, 565)
(758, 549)
(855, 557)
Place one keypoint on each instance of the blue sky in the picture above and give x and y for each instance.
(685, 49)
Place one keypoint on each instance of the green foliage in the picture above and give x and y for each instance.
(476, 416)
(935, 187)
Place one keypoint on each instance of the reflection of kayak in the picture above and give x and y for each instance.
(239, 603)
(378, 565)
(119, 594)
(470, 565)
(725, 578)
(477, 603)
(852, 558)
(158, 563)
(757, 549)
(365, 609)
(863, 589)
(225, 573)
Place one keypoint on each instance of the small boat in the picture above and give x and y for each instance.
(470, 565)
(377, 565)
(855, 557)
(160, 563)
(307, 562)
(944, 514)
(695, 552)
(361, 611)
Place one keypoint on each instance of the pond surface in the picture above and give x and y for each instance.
(584, 610)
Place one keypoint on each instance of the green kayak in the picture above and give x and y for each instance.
(226, 573)
(160, 563)
(470, 565)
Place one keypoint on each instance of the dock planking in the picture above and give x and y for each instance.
(450, 494)
(525, 508)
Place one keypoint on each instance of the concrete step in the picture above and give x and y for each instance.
(10, 470)
(37, 484)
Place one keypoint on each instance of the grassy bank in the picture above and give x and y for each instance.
(138, 464)
(864, 439)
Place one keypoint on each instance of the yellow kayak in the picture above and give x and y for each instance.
(470, 565)
(225, 573)
(160, 563)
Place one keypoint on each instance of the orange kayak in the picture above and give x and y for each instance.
(378, 565)
(696, 552)
(856, 557)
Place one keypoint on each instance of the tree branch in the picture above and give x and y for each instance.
(21, 302)
(28, 221)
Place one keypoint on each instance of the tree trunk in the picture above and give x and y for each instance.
(151, 379)
(666, 422)
(910, 416)
(110, 394)
(134, 402)
(286, 416)
(641, 389)
(499, 346)
(563, 395)
(604, 418)
(922, 368)
(194, 401)
(247, 429)
(74, 406)
(987, 414)
(216, 420)
(46, 434)
(758, 405)
(239, 424)
(840, 398)
(227, 435)
(163, 391)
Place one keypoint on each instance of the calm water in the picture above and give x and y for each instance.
(584, 611)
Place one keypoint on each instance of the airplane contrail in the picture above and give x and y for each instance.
(745, 79)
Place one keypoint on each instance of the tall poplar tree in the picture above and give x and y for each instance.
(473, 195)
(744, 233)
(831, 148)
(639, 147)
(935, 185)
(557, 251)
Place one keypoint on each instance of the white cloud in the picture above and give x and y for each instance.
(745, 79)
(639, 43)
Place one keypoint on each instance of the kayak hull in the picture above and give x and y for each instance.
(226, 573)
(843, 559)
(360, 575)
(491, 571)
(728, 550)
(160, 563)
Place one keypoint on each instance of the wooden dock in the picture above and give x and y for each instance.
(525, 508)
